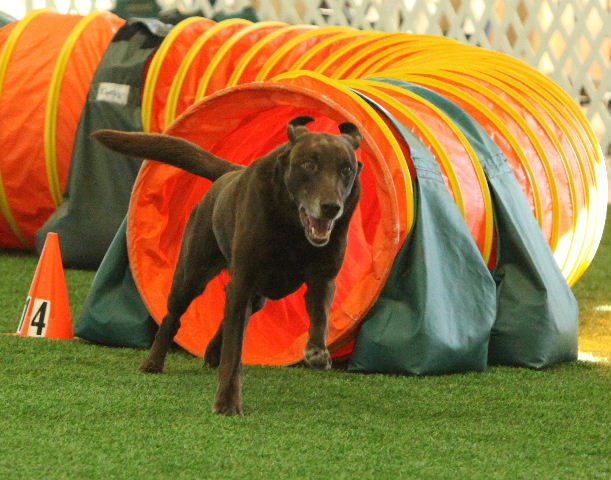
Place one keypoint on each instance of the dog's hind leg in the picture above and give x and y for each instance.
(199, 262)
(212, 357)
(318, 304)
(184, 291)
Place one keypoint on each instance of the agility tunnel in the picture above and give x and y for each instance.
(483, 185)
(47, 61)
(520, 168)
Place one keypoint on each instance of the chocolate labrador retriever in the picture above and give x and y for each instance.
(274, 225)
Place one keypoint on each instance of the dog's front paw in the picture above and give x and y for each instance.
(227, 409)
(150, 366)
(316, 357)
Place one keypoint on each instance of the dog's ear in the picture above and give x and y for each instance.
(296, 128)
(359, 167)
(351, 133)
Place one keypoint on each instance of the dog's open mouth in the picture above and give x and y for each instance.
(317, 231)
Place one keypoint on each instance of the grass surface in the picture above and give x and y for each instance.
(73, 410)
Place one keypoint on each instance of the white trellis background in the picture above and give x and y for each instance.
(569, 40)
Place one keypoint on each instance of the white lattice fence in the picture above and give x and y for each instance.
(569, 40)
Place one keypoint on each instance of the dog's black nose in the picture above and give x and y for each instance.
(330, 210)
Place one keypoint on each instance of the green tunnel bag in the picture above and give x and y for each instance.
(113, 313)
(537, 314)
(536, 323)
(436, 311)
(100, 181)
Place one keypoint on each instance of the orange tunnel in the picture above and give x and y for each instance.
(548, 142)
(47, 62)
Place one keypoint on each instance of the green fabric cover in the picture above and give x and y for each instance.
(537, 322)
(435, 313)
(113, 313)
(100, 181)
(537, 316)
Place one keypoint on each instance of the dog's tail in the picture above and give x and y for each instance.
(166, 149)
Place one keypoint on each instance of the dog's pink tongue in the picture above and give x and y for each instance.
(317, 230)
(321, 227)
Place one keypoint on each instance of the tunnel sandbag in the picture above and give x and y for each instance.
(437, 308)
(536, 322)
(43, 91)
(113, 313)
(100, 184)
(242, 124)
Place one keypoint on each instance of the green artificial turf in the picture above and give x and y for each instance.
(70, 410)
(74, 410)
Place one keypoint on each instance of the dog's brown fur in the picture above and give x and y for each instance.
(274, 225)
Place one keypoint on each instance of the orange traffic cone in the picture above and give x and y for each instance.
(47, 310)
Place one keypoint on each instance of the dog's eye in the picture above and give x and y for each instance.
(309, 165)
(346, 170)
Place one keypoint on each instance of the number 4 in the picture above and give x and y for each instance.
(39, 323)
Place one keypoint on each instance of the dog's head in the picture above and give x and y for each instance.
(322, 170)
